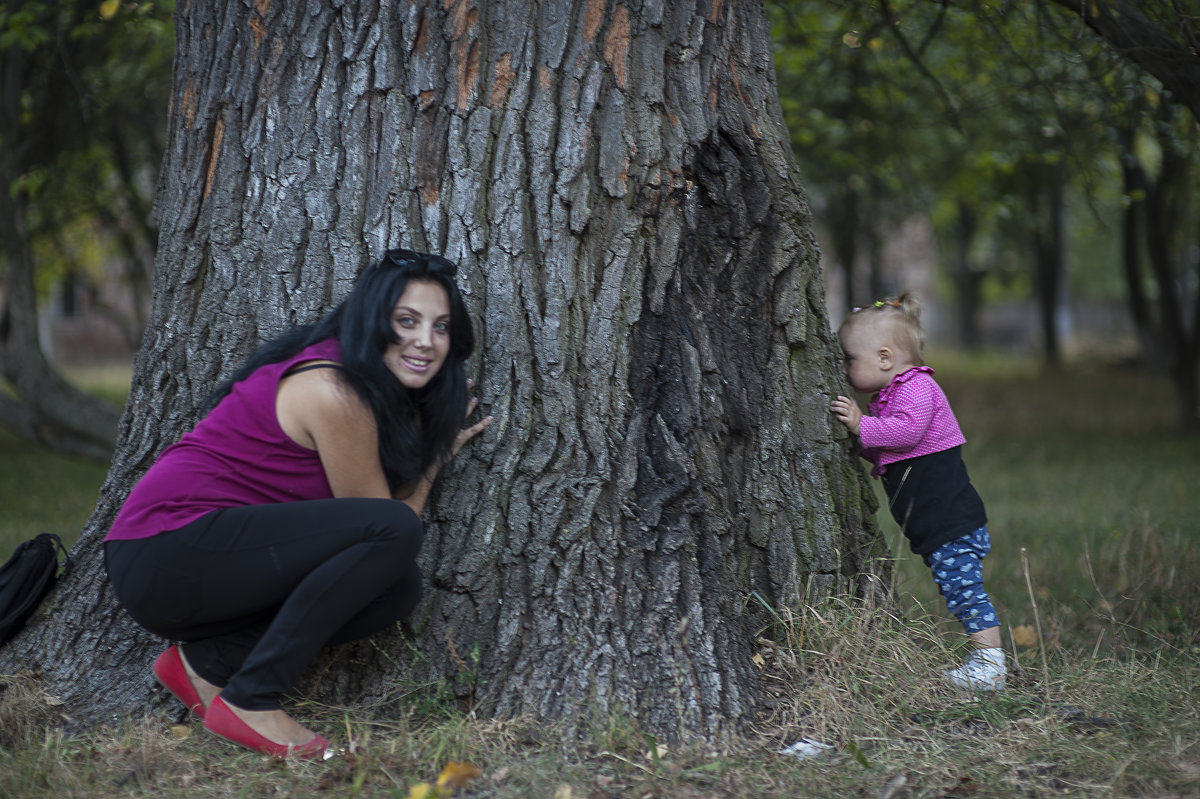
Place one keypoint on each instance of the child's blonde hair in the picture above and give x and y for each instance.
(899, 319)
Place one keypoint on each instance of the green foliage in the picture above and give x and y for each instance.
(969, 108)
(22, 28)
(86, 131)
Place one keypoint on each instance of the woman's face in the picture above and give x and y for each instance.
(421, 318)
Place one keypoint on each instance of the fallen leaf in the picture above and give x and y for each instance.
(422, 790)
(758, 660)
(1025, 636)
(456, 775)
(563, 791)
(181, 732)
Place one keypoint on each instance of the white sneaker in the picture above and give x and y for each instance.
(981, 672)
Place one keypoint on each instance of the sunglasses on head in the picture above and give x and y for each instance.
(402, 258)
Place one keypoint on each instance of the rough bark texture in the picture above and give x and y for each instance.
(616, 184)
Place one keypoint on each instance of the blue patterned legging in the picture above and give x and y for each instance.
(958, 571)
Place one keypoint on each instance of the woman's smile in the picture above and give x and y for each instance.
(421, 321)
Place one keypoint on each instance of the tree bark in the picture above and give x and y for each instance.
(616, 184)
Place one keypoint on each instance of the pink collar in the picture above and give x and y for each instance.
(908, 374)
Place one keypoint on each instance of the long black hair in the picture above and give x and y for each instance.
(416, 426)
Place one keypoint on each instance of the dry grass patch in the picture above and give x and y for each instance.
(863, 680)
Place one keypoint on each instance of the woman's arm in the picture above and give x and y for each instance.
(417, 495)
(320, 412)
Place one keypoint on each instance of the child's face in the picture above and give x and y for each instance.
(868, 361)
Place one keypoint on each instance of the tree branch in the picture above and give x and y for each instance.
(915, 57)
(1143, 42)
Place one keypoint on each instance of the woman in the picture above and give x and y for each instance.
(273, 528)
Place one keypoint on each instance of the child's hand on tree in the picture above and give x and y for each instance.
(847, 412)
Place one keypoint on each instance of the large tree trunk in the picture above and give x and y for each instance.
(617, 187)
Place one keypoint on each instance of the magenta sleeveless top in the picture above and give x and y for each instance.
(237, 455)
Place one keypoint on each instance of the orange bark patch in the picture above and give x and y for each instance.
(616, 45)
(463, 20)
(188, 102)
(737, 81)
(422, 38)
(715, 12)
(468, 74)
(593, 16)
(545, 77)
(503, 81)
(258, 20)
(430, 194)
(427, 98)
(214, 149)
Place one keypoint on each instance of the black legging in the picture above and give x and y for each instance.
(256, 591)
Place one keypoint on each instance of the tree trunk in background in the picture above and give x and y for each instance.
(39, 404)
(36, 403)
(1133, 242)
(967, 279)
(1047, 206)
(618, 190)
(1159, 226)
(843, 222)
(1169, 226)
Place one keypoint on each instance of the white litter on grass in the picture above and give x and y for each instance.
(807, 748)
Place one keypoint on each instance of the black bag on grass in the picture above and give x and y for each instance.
(26, 579)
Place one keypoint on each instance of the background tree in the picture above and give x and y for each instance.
(1150, 115)
(617, 186)
(856, 121)
(81, 129)
(1161, 38)
(1004, 125)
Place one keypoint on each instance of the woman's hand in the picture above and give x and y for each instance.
(467, 433)
(847, 412)
(419, 493)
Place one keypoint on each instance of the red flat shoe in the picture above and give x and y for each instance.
(170, 671)
(224, 722)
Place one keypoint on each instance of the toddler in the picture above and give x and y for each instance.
(912, 438)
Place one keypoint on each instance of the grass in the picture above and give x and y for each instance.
(41, 491)
(1091, 496)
